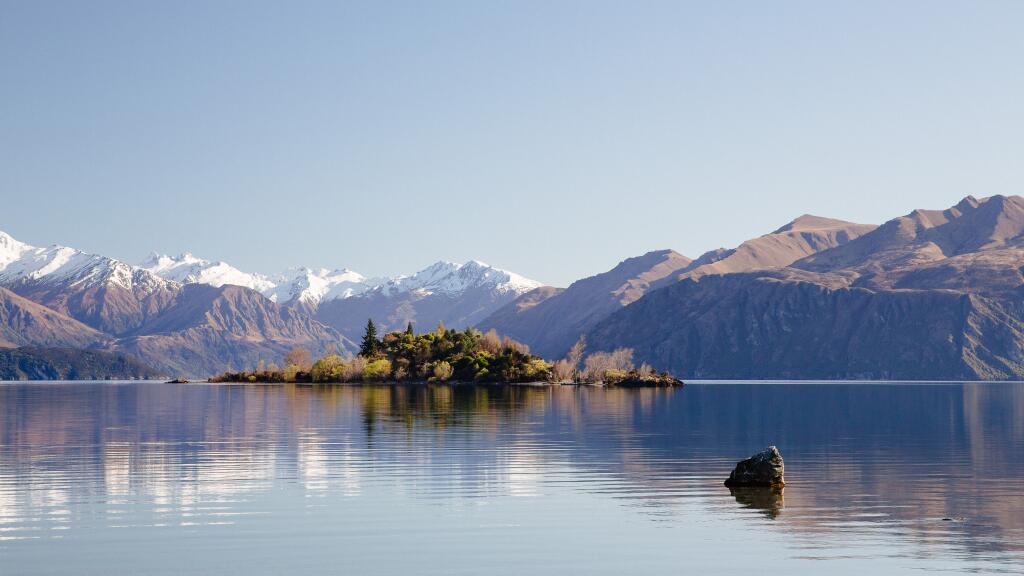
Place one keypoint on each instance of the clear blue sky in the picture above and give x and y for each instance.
(550, 138)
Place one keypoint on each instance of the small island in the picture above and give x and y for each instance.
(454, 356)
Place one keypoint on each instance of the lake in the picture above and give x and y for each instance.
(150, 478)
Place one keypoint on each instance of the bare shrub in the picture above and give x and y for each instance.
(510, 344)
(598, 364)
(299, 357)
(576, 353)
(353, 369)
(562, 371)
(491, 342)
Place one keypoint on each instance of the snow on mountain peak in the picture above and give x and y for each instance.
(10, 249)
(20, 262)
(451, 278)
(305, 286)
(311, 286)
(188, 268)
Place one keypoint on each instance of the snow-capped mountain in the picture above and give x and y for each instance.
(103, 293)
(171, 317)
(22, 263)
(302, 286)
(459, 295)
(189, 269)
(451, 278)
(310, 287)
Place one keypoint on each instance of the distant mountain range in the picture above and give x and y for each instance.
(935, 294)
(458, 295)
(194, 317)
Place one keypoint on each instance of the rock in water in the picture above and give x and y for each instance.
(762, 469)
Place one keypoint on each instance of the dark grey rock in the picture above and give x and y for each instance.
(762, 469)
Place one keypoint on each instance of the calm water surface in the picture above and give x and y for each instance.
(147, 478)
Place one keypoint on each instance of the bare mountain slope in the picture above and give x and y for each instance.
(26, 323)
(205, 330)
(803, 237)
(551, 326)
(929, 235)
(550, 321)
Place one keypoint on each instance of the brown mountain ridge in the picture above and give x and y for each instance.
(935, 294)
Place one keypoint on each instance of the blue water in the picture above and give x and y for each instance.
(149, 478)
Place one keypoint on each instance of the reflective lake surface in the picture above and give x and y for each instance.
(148, 478)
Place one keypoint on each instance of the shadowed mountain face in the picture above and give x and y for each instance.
(751, 326)
(549, 320)
(70, 364)
(931, 295)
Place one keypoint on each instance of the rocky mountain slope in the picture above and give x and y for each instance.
(553, 321)
(933, 294)
(207, 329)
(803, 237)
(24, 322)
(102, 292)
(550, 321)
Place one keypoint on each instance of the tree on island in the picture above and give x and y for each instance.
(370, 346)
(453, 356)
(408, 330)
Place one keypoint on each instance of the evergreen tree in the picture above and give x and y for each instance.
(370, 346)
(408, 330)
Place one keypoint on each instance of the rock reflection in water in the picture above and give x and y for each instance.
(764, 498)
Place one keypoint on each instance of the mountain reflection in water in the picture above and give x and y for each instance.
(100, 478)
